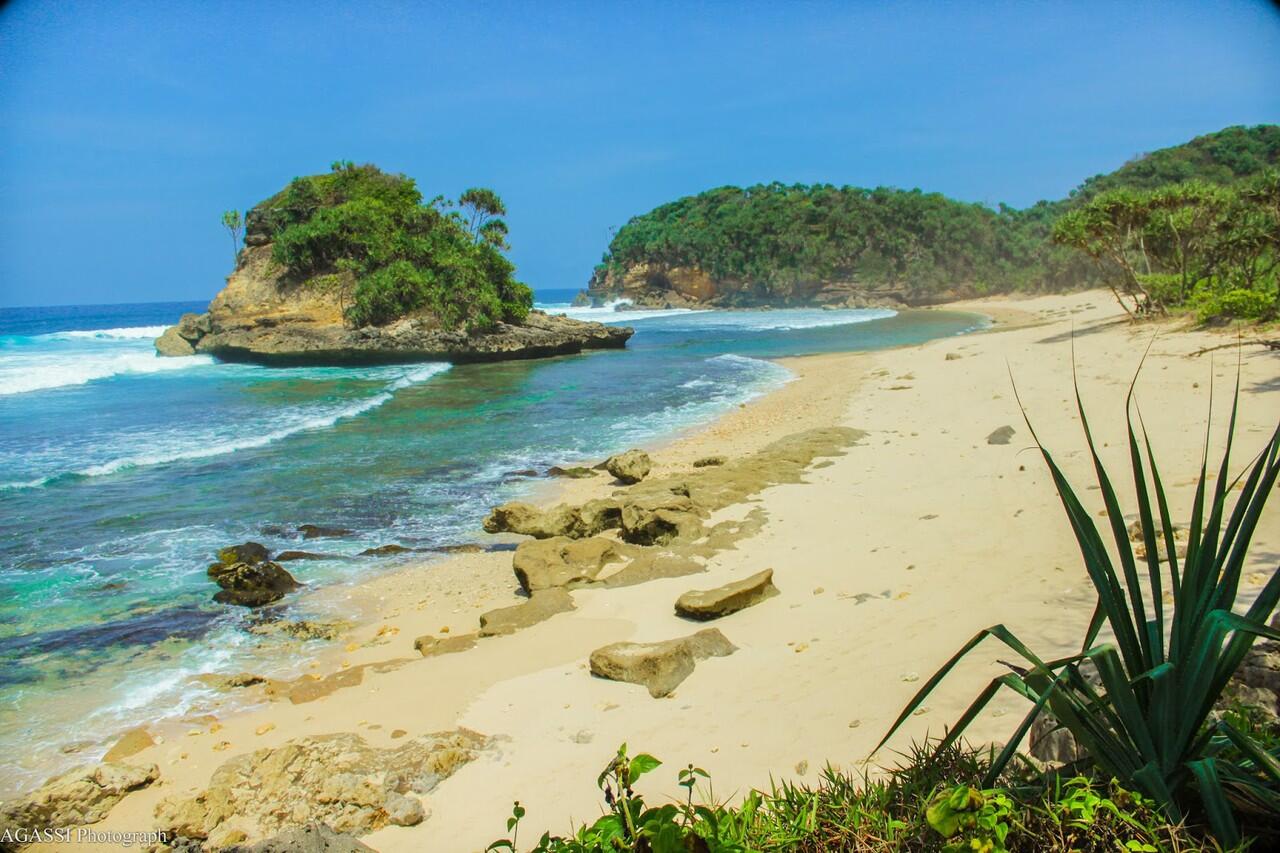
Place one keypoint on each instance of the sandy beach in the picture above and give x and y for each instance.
(887, 558)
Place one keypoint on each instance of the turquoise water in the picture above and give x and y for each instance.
(121, 473)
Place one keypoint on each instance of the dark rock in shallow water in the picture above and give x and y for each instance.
(251, 584)
(315, 531)
(286, 556)
(384, 550)
(248, 552)
(523, 472)
(575, 472)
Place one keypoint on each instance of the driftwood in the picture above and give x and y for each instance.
(1259, 342)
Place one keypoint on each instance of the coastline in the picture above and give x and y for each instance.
(910, 509)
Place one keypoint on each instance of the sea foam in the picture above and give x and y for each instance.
(193, 444)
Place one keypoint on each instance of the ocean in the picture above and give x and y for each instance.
(121, 473)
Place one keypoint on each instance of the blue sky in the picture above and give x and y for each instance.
(126, 128)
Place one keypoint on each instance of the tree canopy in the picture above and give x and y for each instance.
(371, 234)
(1196, 220)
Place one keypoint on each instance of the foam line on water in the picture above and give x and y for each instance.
(22, 374)
(130, 333)
(207, 445)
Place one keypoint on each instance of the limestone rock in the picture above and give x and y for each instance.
(301, 629)
(312, 838)
(659, 519)
(573, 472)
(430, 646)
(630, 467)
(251, 584)
(561, 562)
(79, 797)
(1001, 435)
(730, 598)
(659, 666)
(172, 344)
(576, 522)
(709, 461)
(338, 780)
(542, 605)
(264, 315)
(130, 743)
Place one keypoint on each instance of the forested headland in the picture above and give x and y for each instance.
(1194, 225)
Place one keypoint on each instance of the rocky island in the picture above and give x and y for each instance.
(352, 267)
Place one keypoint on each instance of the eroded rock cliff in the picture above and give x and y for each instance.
(263, 316)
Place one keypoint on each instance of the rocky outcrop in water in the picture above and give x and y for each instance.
(262, 316)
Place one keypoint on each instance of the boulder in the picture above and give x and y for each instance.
(338, 780)
(251, 584)
(301, 629)
(542, 605)
(576, 522)
(286, 556)
(315, 531)
(730, 598)
(561, 561)
(172, 344)
(574, 472)
(629, 467)
(660, 519)
(384, 550)
(247, 552)
(660, 667)
(430, 646)
(77, 798)
(130, 743)
(1001, 435)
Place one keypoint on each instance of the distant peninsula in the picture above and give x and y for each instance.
(781, 245)
(354, 267)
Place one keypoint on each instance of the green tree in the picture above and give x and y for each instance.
(234, 223)
(370, 234)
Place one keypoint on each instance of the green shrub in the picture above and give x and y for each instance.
(931, 802)
(1211, 300)
(404, 255)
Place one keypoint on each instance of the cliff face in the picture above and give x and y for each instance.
(659, 286)
(262, 316)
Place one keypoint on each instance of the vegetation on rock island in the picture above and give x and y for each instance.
(370, 235)
(1194, 225)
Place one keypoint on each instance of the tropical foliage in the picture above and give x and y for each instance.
(933, 801)
(1214, 248)
(1141, 703)
(1203, 211)
(370, 234)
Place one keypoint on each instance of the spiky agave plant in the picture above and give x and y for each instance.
(1148, 723)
